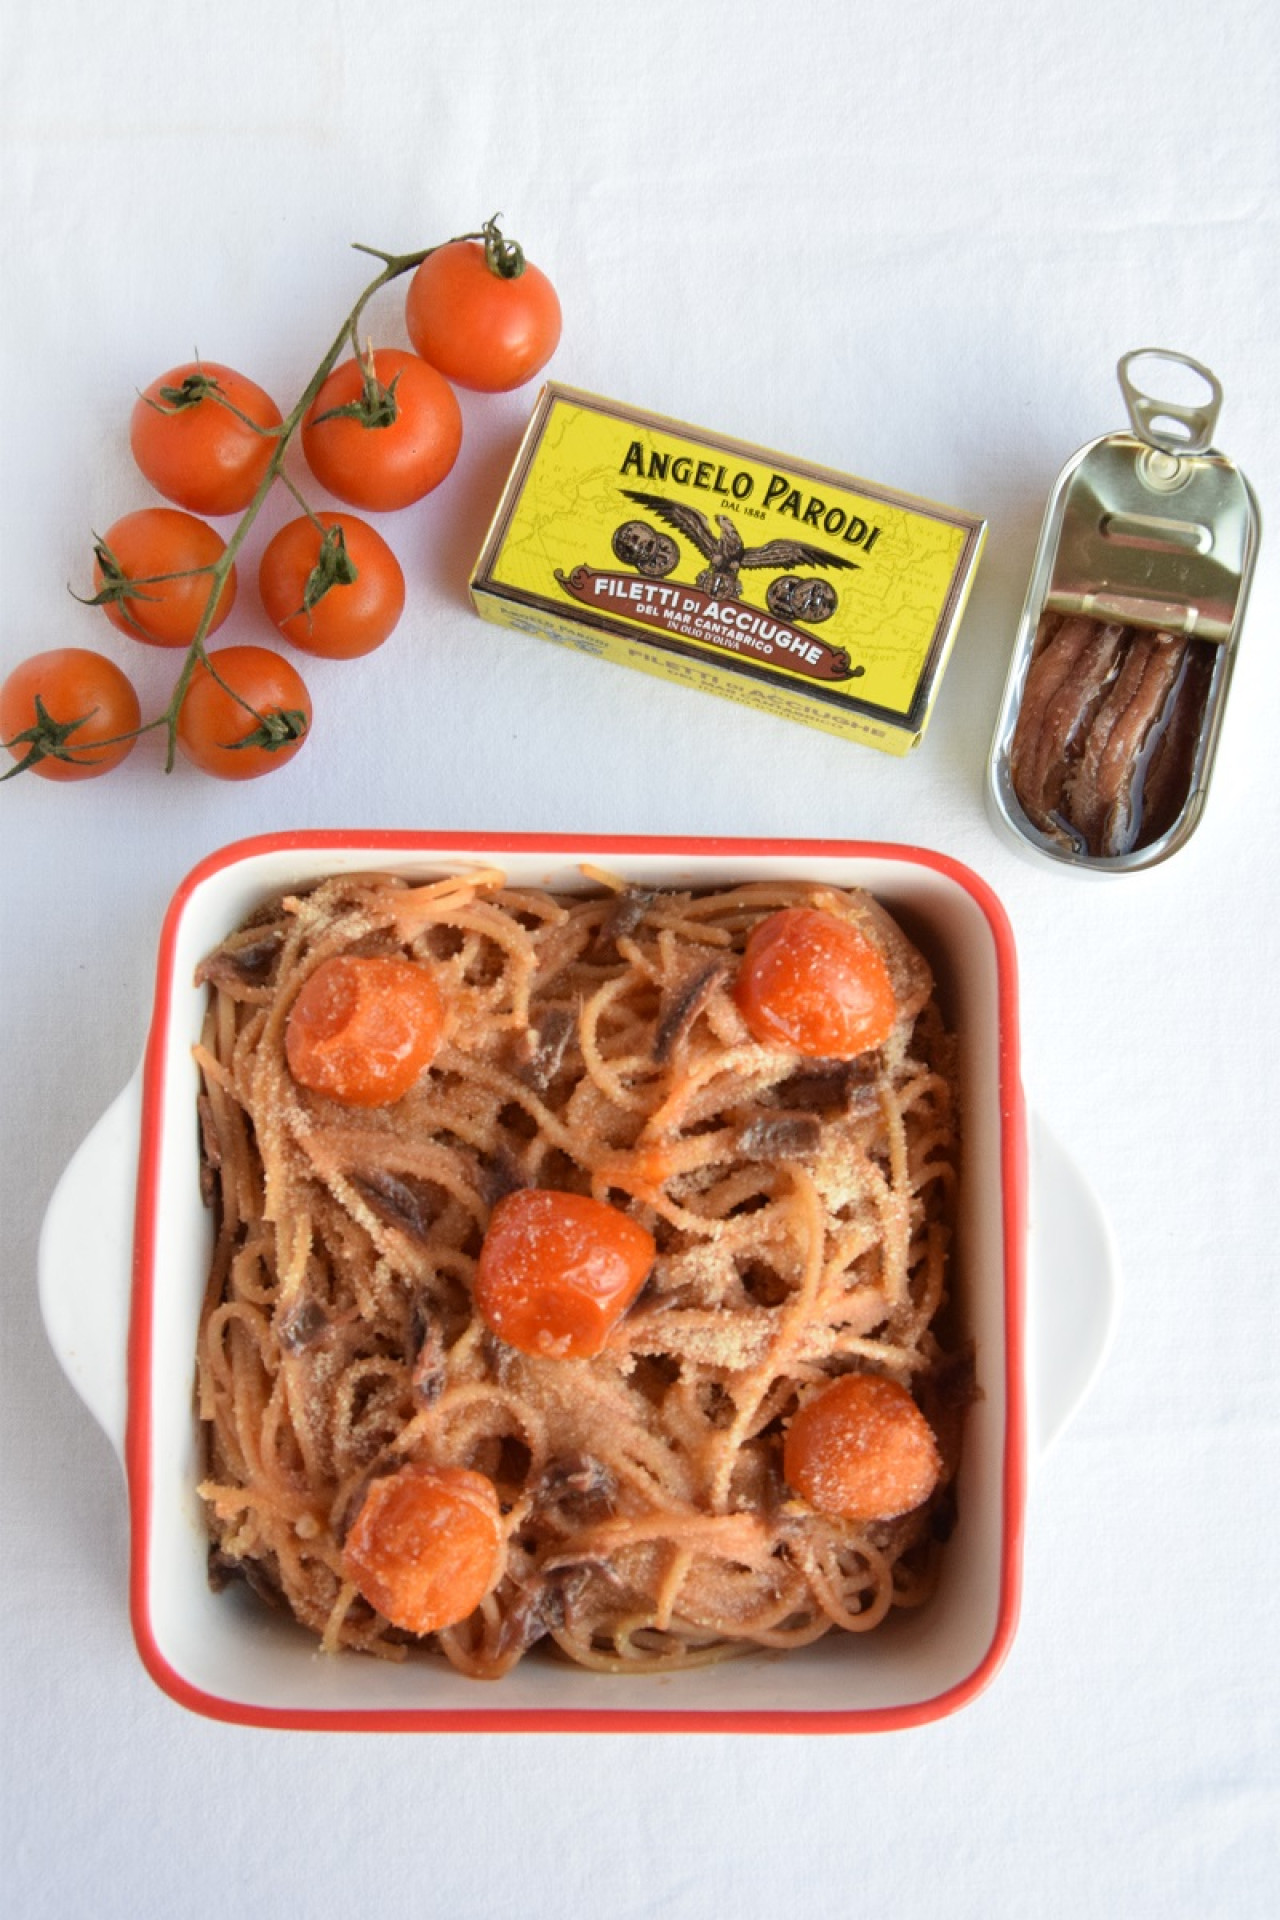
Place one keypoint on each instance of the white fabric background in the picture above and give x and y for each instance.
(907, 241)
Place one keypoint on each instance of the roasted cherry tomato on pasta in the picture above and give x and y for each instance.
(335, 589)
(364, 1027)
(63, 713)
(204, 435)
(381, 434)
(861, 1449)
(557, 1271)
(479, 326)
(245, 714)
(152, 576)
(814, 982)
(426, 1546)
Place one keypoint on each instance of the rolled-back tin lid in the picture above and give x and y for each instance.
(1104, 744)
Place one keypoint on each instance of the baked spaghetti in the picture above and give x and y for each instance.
(660, 1493)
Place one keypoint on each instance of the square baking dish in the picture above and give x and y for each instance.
(223, 1654)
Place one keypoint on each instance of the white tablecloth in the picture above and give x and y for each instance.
(908, 242)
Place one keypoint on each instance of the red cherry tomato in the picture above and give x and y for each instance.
(195, 435)
(363, 1028)
(398, 454)
(557, 1271)
(861, 1449)
(335, 591)
(164, 556)
(241, 738)
(426, 1546)
(479, 329)
(815, 983)
(86, 700)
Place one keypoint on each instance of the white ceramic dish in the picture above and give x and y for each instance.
(136, 1179)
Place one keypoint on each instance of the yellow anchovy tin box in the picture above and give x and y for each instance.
(716, 564)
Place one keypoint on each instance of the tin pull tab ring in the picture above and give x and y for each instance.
(1166, 424)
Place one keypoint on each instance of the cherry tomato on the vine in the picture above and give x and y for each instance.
(363, 1028)
(557, 1271)
(57, 707)
(383, 448)
(240, 738)
(426, 1546)
(815, 983)
(334, 590)
(479, 328)
(202, 435)
(151, 576)
(861, 1449)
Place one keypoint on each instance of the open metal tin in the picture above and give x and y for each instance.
(1105, 741)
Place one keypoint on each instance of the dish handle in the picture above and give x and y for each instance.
(85, 1262)
(1073, 1288)
(86, 1257)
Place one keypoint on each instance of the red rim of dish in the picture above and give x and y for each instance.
(605, 1719)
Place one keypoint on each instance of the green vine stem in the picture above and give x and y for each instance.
(505, 258)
